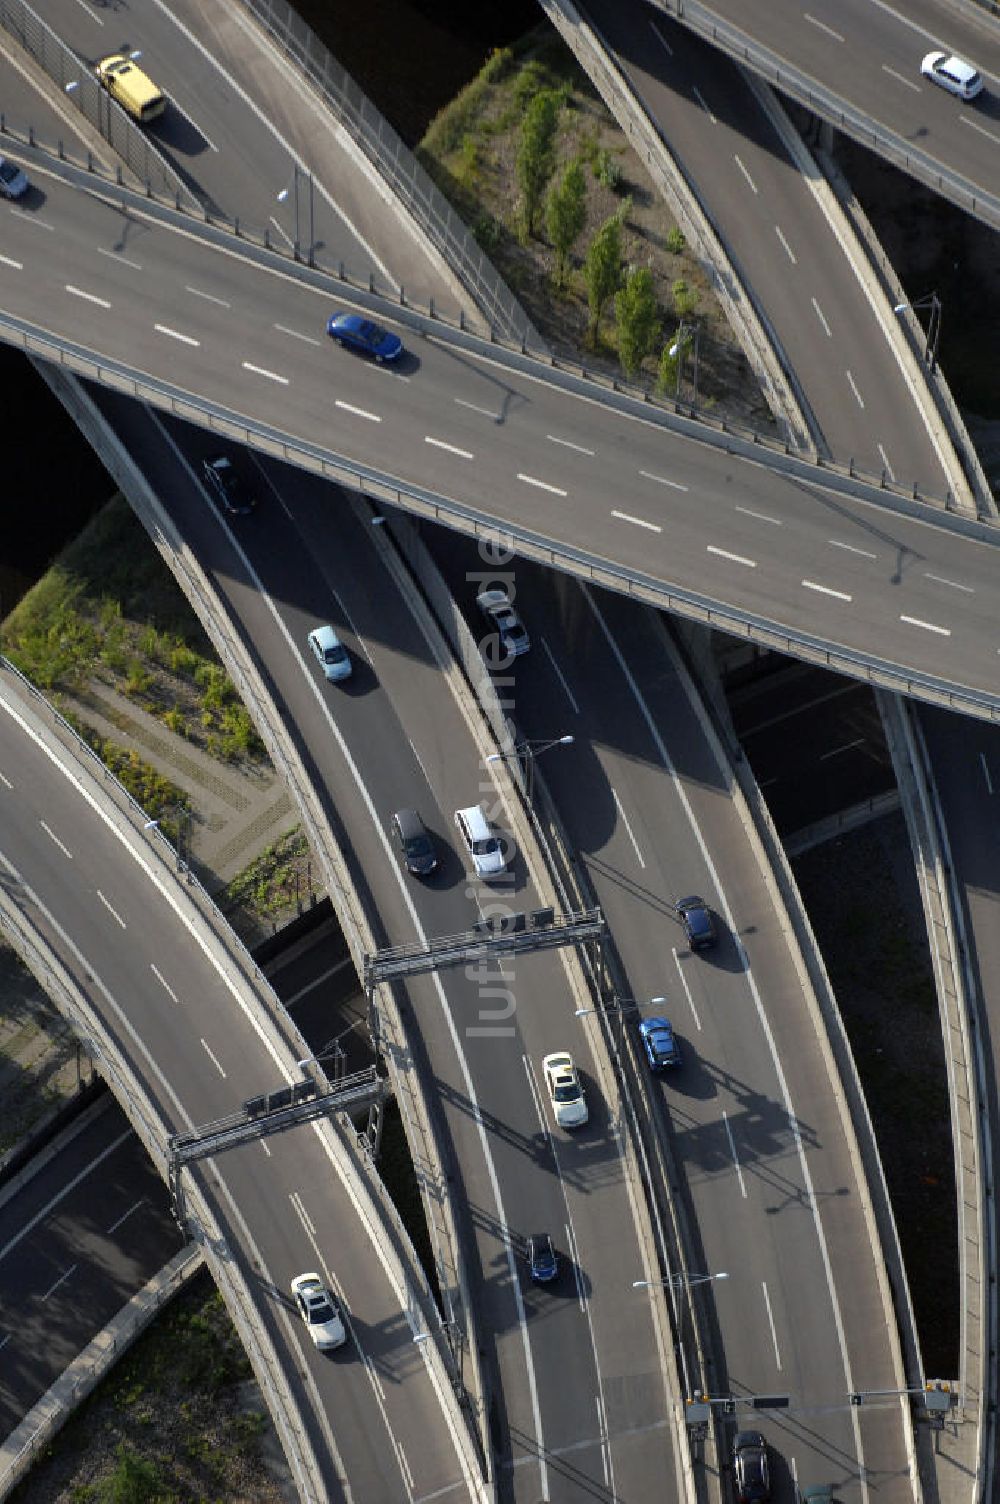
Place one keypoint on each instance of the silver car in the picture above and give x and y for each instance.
(13, 182)
(330, 653)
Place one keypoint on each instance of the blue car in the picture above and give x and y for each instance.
(660, 1043)
(363, 335)
(13, 183)
(543, 1265)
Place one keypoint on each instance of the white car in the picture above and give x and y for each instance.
(330, 653)
(318, 1310)
(498, 611)
(952, 74)
(480, 841)
(565, 1092)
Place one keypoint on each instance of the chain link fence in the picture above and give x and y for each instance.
(422, 199)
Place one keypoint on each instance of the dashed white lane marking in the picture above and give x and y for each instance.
(701, 100)
(653, 527)
(858, 741)
(746, 174)
(535, 1096)
(463, 454)
(9, 261)
(264, 1145)
(486, 412)
(263, 371)
(568, 444)
(759, 516)
(724, 553)
(88, 297)
(125, 1215)
(849, 548)
(854, 388)
(53, 837)
(928, 626)
(900, 78)
(6, 782)
(939, 579)
(602, 1431)
(885, 461)
(117, 256)
(785, 246)
(822, 318)
(736, 1158)
(210, 297)
(986, 772)
(822, 26)
(90, 12)
(32, 219)
(208, 1051)
(975, 126)
(840, 595)
(184, 339)
(577, 1271)
(541, 485)
(624, 816)
(770, 1317)
(163, 982)
(687, 989)
(658, 34)
(111, 910)
(661, 480)
(560, 676)
(358, 412)
(4, 1341)
(307, 339)
(60, 1281)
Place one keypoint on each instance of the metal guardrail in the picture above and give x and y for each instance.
(422, 199)
(736, 44)
(79, 84)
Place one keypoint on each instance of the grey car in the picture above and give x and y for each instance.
(13, 181)
(415, 842)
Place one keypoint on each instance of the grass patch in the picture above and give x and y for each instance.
(273, 881)
(109, 612)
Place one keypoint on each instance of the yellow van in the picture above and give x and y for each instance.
(134, 90)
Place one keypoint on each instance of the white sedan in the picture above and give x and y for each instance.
(952, 73)
(318, 1310)
(565, 1092)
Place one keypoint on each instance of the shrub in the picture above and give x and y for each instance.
(607, 171)
(675, 241)
(685, 298)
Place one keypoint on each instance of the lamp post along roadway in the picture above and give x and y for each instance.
(530, 750)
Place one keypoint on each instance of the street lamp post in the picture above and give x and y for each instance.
(281, 199)
(530, 750)
(687, 335)
(678, 1281)
(620, 1005)
(933, 337)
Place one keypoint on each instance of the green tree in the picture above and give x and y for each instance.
(638, 319)
(685, 298)
(565, 216)
(536, 153)
(603, 271)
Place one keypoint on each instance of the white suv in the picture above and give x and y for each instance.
(480, 842)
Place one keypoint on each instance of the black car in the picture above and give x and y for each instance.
(226, 485)
(414, 841)
(696, 917)
(542, 1262)
(751, 1473)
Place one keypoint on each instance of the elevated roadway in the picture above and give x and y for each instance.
(178, 1009)
(600, 486)
(856, 63)
(575, 1382)
(77, 1239)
